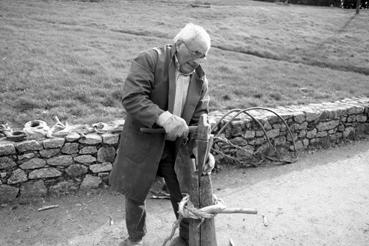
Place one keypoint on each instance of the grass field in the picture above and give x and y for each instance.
(70, 58)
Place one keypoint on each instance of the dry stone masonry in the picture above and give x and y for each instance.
(36, 168)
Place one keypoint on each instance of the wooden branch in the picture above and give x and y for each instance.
(48, 207)
(239, 211)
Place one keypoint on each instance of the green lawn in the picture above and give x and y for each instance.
(70, 58)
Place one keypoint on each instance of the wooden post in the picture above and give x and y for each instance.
(358, 3)
(202, 194)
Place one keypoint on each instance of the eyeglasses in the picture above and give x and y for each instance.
(195, 53)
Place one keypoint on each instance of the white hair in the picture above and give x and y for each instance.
(192, 32)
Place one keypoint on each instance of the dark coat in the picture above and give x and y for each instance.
(149, 90)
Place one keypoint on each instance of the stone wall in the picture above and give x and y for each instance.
(312, 126)
(35, 168)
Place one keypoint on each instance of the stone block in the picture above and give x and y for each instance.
(48, 172)
(299, 117)
(339, 135)
(302, 133)
(249, 134)
(33, 163)
(245, 154)
(62, 160)
(349, 133)
(106, 154)
(110, 138)
(341, 128)
(239, 141)
(76, 170)
(362, 129)
(280, 141)
(88, 150)
(322, 134)
(6, 162)
(98, 168)
(6, 148)
(305, 142)
(328, 114)
(32, 190)
(351, 118)
(73, 136)
(311, 134)
(259, 133)
(8, 193)
(332, 131)
(311, 115)
(299, 145)
(85, 159)
(273, 133)
(63, 188)
(30, 145)
(361, 118)
(267, 126)
(48, 153)
(70, 148)
(301, 126)
(105, 177)
(259, 141)
(18, 176)
(53, 143)
(26, 156)
(324, 126)
(289, 137)
(90, 182)
(91, 139)
(356, 110)
(324, 142)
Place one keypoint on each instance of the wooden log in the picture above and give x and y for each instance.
(194, 231)
(207, 232)
(207, 229)
(358, 3)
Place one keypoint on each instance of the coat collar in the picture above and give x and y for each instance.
(172, 79)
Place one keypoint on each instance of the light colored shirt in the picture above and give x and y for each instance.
(182, 82)
(181, 89)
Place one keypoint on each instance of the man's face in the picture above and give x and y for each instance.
(190, 55)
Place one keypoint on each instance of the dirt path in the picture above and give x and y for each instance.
(321, 200)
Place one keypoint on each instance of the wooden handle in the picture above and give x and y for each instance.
(162, 130)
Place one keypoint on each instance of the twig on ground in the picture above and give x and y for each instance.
(48, 207)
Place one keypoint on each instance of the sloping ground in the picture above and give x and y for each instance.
(70, 58)
(320, 200)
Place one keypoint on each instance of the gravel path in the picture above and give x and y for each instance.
(323, 199)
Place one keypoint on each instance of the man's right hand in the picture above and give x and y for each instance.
(174, 126)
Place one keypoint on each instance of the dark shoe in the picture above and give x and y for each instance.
(128, 242)
(178, 241)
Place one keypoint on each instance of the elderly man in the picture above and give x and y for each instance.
(166, 87)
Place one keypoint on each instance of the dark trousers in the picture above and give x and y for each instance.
(136, 212)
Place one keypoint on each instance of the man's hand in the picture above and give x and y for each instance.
(174, 126)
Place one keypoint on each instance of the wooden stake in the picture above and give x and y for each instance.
(358, 3)
(202, 194)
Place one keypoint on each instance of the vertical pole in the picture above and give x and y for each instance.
(194, 230)
(202, 194)
(358, 3)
